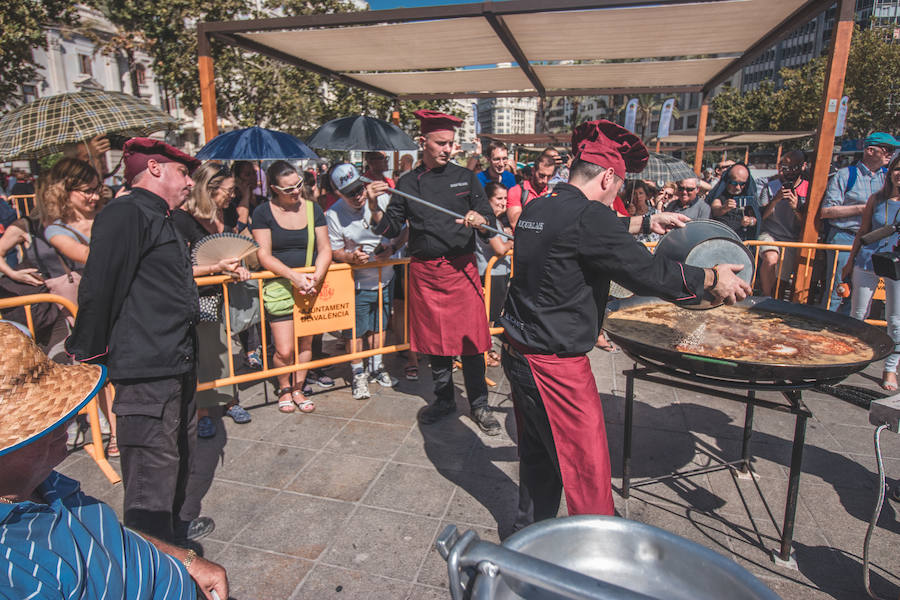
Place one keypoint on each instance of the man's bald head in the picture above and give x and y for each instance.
(737, 180)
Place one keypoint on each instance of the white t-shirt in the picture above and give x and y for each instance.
(348, 229)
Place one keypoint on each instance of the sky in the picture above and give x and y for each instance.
(381, 4)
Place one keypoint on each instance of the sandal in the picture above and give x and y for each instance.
(412, 373)
(889, 386)
(285, 400)
(606, 345)
(304, 404)
(492, 359)
(112, 447)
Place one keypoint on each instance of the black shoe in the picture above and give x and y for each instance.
(196, 529)
(435, 412)
(486, 421)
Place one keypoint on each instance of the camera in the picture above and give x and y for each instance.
(887, 264)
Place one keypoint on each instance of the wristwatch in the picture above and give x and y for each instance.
(645, 224)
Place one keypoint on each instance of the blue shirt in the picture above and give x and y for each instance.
(506, 178)
(75, 547)
(867, 183)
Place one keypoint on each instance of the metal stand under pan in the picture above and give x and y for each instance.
(656, 372)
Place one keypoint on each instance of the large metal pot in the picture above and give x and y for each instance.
(593, 557)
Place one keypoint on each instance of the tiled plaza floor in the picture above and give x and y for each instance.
(347, 502)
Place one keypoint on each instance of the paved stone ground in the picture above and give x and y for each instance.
(347, 502)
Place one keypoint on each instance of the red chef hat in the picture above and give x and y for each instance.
(138, 151)
(609, 145)
(432, 120)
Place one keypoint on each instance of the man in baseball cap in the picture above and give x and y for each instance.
(569, 245)
(48, 526)
(138, 308)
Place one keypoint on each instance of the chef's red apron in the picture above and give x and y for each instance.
(573, 407)
(446, 307)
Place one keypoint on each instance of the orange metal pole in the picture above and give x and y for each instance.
(834, 89)
(395, 119)
(778, 156)
(207, 85)
(657, 145)
(747, 155)
(701, 134)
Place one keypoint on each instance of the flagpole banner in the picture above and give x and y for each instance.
(665, 118)
(631, 114)
(842, 116)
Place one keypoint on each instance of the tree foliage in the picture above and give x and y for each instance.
(872, 83)
(20, 33)
(250, 89)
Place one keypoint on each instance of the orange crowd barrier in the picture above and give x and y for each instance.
(95, 448)
(308, 320)
(23, 204)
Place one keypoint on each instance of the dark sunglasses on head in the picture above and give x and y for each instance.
(681, 188)
(737, 183)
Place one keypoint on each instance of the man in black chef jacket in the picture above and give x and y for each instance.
(137, 308)
(569, 245)
(446, 305)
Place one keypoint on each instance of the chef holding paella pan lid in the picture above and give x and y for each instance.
(569, 246)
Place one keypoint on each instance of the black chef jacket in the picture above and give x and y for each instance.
(137, 302)
(432, 233)
(567, 250)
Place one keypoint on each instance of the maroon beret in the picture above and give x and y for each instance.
(138, 151)
(609, 145)
(432, 120)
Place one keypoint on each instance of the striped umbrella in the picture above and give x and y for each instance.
(662, 168)
(47, 125)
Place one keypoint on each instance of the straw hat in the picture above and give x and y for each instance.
(36, 394)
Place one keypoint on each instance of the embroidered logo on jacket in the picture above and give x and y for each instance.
(532, 225)
(459, 184)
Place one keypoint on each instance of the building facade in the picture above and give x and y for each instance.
(507, 115)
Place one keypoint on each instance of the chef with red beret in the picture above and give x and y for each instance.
(137, 314)
(569, 245)
(446, 305)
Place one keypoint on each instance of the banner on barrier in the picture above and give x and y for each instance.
(332, 309)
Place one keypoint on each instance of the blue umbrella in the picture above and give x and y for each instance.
(254, 143)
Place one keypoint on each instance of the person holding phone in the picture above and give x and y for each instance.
(782, 200)
(353, 242)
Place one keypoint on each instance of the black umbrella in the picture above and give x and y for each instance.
(361, 133)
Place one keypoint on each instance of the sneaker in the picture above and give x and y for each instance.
(194, 530)
(383, 378)
(318, 377)
(206, 428)
(360, 386)
(239, 415)
(487, 422)
(254, 359)
(435, 412)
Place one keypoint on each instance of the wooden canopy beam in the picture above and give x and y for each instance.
(207, 84)
(834, 89)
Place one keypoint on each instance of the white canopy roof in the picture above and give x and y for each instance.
(528, 47)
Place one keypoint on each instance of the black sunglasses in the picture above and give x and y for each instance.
(681, 188)
(737, 183)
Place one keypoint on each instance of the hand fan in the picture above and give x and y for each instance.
(214, 248)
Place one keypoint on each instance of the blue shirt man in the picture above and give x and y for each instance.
(845, 198)
(74, 547)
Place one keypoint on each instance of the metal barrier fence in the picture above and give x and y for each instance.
(91, 409)
(23, 204)
(267, 372)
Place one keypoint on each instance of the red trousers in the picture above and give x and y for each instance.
(562, 436)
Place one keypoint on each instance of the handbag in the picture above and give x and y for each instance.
(278, 294)
(211, 308)
(243, 305)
